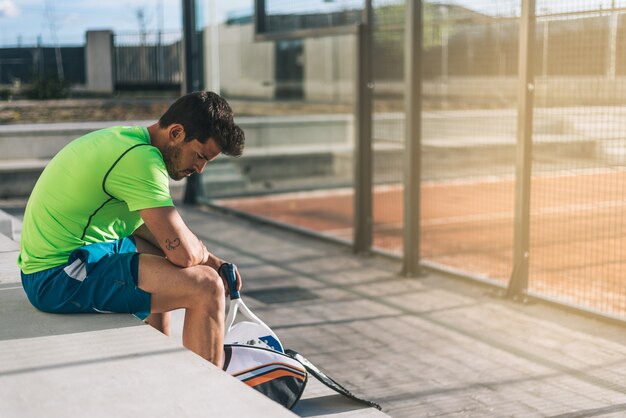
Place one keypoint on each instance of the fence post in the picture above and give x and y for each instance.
(363, 136)
(413, 136)
(612, 50)
(518, 284)
(99, 61)
(193, 188)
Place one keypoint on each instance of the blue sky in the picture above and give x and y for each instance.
(26, 19)
(30, 18)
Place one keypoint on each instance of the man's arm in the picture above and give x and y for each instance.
(144, 233)
(166, 229)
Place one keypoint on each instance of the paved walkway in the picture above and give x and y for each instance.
(434, 346)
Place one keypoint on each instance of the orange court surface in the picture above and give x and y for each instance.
(578, 229)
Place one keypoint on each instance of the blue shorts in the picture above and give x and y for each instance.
(99, 277)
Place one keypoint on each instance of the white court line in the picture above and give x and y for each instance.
(481, 217)
(488, 179)
(492, 178)
(551, 210)
(505, 215)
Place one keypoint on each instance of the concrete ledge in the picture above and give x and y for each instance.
(17, 179)
(257, 170)
(106, 365)
(10, 228)
(114, 365)
(123, 372)
(319, 148)
(284, 168)
(23, 165)
(45, 140)
(8, 245)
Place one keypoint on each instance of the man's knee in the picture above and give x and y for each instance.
(209, 284)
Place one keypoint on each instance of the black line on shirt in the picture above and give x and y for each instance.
(92, 215)
(111, 197)
(113, 166)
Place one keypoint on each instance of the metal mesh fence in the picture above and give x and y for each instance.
(388, 130)
(469, 127)
(148, 59)
(286, 15)
(26, 64)
(577, 212)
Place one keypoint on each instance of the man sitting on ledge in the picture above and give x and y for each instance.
(101, 234)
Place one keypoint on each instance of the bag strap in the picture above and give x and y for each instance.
(326, 380)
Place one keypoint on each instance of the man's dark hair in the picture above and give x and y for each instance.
(205, 115)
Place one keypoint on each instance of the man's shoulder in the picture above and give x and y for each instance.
(114, 141)
(133, 134)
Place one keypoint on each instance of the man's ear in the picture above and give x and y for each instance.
(176, 132)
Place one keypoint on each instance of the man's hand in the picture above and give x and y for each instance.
(215, 262)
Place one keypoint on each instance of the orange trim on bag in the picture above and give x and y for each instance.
(271, 376)
(267, 365)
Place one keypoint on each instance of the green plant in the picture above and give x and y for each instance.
(48, 87)
(5, 94)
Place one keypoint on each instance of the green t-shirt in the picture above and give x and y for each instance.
(91, 191)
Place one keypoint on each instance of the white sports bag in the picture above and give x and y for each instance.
(276, 375)
(255, 355)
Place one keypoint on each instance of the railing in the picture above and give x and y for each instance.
(148, 60)
(23, 64)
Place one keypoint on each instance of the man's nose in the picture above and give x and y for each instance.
(200, 166)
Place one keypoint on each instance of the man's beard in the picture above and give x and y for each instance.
(171, 155)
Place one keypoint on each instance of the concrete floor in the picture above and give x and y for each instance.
(432, 346)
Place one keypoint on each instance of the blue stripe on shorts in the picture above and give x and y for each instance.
(99, 277)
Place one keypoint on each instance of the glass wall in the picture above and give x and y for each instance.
(295, 98)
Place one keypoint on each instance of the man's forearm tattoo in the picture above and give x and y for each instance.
(172, 244)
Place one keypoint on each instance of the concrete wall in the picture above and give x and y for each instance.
(248, 70)
(99, 61)
(297, 131)
(246, 67)
(329, 68)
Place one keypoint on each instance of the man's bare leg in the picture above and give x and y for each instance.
(199, 290)
(160, 321)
